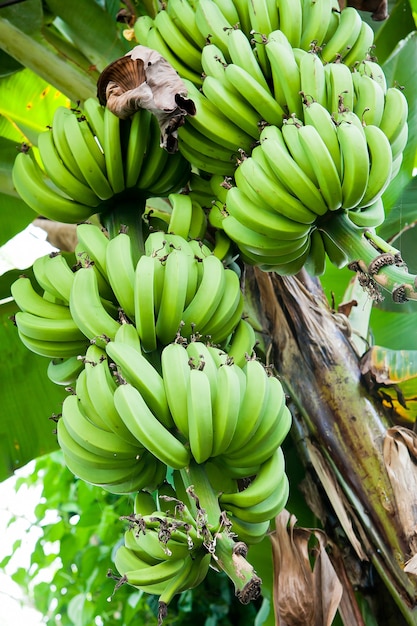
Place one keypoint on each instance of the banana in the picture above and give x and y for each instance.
(136, 146)
(380, 158)
(94, 113)
(183, 15)
(64, 180)
(136, 370)
(315, 264)
(148, 546)
(193, 573)
(211, 122)
(371, 216)
(227, 7)
(181, 214)
(177, 41)
(142, 578)
(121, 272)
(141, 29)
(394, 117)
(284, 264)
(285, 76)
(156, 41)
(370, 99)
(99, 389)
(288, 172)
(87, 153)
(53, 349)
(249, 532)
(30, 184)
(257, 180)
(174, 178)
(345, 36)
(112, 148)
(213, 61)
(94, 439)
(315, 22)
(264, 16)
(207, 149)
(144, 503)
(200, 415)
(362, 46)
(148, 429)
(87, 308)
(59, 330)
(316, 114)
(213, 25)
(355, 172)
(242, 343)
(207, 298)
(253, 402)
(266, 509)
(64, 371)
(291, 136)
(231, 104)
(170, 314)
(175, 375)
(155, 159)
(263, 485)
(127, 334)
(399, 143)
(242, 55)
(149, 474)
(59, 274)
(323, 165)
(61, 143)
(255, 94)
(262, 219)
(339, 86)
(83, 394)
(271, 432)
(333, 21)
(206, 163)
(145, 300)
(29, 300)
(198, 226)
(291, 20)
(313, 79)
(200, 357)
(374, 71)
(242, 9)
(336, 255)
(226, 407)
(93, 242)
(229, 311)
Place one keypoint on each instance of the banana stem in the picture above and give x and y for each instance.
(126, 215)
(230, 556)
(376, 261)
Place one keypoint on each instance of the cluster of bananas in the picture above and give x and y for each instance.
(90, 155)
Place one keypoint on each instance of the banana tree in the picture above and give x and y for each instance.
(343, 350)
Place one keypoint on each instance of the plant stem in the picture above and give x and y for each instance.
(375, 260)
(126, 213)
(230, 557)
(200, 489)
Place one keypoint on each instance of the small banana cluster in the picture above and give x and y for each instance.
(90, 155)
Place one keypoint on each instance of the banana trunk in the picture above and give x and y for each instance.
(320, 369)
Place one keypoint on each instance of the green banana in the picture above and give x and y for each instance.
(200, 415)
(242, 343)
(136, 370)
(93, 242)
(369, 217)
(61, 143)
(176, 374)
(180, 45)
(380, 170)
(312, 79)
(155, 159)
(29, 300)
(174, 291)
(121, 272)
(266, 509)
(137, 142)
(112, 148)
(362, 46)
(64, 371)
(87, 309)
(212, 24)
(316, 114)
(183, 15)
(370, 99)
(148, 429)
(286, 77)
(340, 88)
(226, 407)
(48, 329)
(288, 172)
(156, 41)
(394, 117)
(355, 172)
(242, 54)
(291, 20)
(145, 300)
(30, 184)
(315, 22)
(345, 36)
(229, 311)
(315, 264)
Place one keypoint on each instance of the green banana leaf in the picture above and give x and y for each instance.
(28, 399)
(392, 374)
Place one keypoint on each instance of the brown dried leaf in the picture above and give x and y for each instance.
(143, 79)
(302, 595)
(400, 457)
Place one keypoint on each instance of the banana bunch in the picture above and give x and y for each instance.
(300, 175)
(89, 156)
(232, 413)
